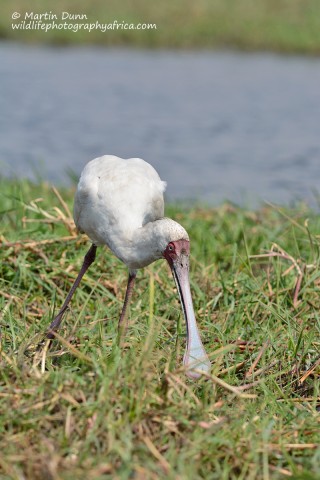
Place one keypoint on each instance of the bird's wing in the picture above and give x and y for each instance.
(117, 196)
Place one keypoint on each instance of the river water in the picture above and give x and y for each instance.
(217, 126)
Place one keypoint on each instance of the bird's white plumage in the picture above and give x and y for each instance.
(119, 203)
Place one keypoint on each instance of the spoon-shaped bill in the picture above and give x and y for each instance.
(195, 358)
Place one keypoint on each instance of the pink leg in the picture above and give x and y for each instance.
(88, 260)
(123, 322)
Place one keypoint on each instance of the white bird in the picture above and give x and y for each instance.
(119, 203)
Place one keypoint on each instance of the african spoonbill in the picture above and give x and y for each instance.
(119, 203)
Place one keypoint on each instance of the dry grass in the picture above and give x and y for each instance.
(83, 408)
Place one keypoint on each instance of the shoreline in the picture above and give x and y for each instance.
(286, 28)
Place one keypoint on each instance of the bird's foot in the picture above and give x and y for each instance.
(54, 326)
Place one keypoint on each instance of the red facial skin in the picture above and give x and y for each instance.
(175, 249)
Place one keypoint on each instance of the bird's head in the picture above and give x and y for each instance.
(177, 252)
(171, 238)
(176, 247)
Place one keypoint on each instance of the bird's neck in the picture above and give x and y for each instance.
(146, 246)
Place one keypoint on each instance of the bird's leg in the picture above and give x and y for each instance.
(123, 322)
(88, 260)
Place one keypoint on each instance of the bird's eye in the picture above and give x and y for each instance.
(170, 247)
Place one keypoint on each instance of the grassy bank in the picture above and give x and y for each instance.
(285, 25)
(83, 409)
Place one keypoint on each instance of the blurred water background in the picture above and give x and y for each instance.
(217, 123)
(217, 126)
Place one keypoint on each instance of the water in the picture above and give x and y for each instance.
(242, 127)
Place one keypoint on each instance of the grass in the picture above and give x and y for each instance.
(82, 408)
(283, 25)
